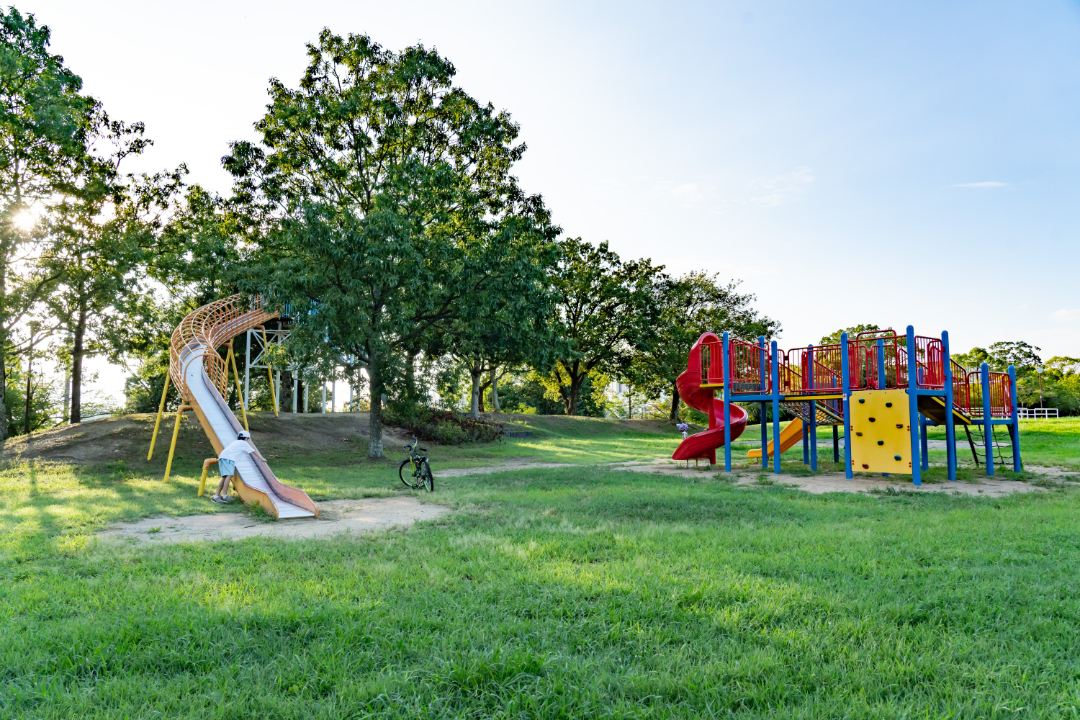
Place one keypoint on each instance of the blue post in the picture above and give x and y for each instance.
(776, 407)
(882, 380)
(805, 443)
(950, 423)
(845, 391)
(913, 405)
(925, 445)
(727, 405)
(1015, 427)
(988, 428)
(812, 434)
(763, 363)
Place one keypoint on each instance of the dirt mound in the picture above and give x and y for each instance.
(127, 438)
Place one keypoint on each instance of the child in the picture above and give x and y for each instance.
(227, 464)
(683, 427)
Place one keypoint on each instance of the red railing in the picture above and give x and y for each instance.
(818, 370)
(875, 358)
(712, 362)
(960, 387)
(749, 368)
(1000, 394)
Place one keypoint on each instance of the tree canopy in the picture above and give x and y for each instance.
(384, 205)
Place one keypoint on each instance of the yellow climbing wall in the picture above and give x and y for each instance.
(881, 430)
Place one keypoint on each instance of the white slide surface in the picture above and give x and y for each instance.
(225, 427)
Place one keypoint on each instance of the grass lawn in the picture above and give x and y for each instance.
(574, 592)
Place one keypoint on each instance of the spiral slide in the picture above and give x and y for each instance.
(194, 353)
(704, 444)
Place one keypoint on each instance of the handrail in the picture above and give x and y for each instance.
(206, 329)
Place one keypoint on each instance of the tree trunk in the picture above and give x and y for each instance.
(494, 391)
(674, 416)
(29, 388)
(575, 392)
(375, 386)
(3, 346)
(475, 372)
(76, 367)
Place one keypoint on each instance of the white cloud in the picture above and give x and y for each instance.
(1066, 316)
(987, 184)
(688, 194)
(783, 188)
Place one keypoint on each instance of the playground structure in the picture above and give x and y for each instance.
(884, 389)
(201, 376)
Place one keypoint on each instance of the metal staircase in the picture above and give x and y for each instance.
(826, 413)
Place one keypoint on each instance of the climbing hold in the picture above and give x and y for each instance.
(896, 457)
(899, 426)
(859, 434)
(873, 419)
(862, 400)
(880, 442)
(888, 404)
(865, 466)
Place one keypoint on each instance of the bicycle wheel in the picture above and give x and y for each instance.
(429, 479)
(408, 479)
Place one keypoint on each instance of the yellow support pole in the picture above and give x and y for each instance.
(176, 431)
(269, 372)
(157, 423)
(239, 390)
(205, 470)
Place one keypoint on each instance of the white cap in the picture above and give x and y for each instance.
(243, 435)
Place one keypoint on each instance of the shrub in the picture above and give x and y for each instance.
(445, 427)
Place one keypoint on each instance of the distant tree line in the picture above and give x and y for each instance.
(379, 203)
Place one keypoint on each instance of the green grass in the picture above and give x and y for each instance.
(1053, 442)
(576, 592)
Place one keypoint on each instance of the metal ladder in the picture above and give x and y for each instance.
(978, 445)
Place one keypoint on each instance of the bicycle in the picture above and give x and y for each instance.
(421, 471)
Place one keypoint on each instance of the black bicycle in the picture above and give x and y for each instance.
(421, 472)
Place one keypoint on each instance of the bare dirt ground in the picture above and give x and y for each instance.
(836, 482)
(522, 464)
(356, 517)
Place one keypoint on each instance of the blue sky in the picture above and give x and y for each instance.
(887, 162)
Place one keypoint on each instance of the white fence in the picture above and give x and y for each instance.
(1037, 413)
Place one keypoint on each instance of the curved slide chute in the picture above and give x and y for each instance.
(200, 374)
(703, 444)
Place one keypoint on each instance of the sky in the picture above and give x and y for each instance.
(892, 163)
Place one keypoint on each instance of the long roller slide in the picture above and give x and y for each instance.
(193, 353)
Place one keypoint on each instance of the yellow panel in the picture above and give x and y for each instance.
(881, 432)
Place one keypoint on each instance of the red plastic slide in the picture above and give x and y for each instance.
(704, 444)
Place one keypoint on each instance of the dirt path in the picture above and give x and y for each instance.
(502, 467)
(335, 516)
(836, 482)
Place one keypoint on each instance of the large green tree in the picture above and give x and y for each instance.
(45, 124)
(605, 313)
(385, 207)
(688, 306)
